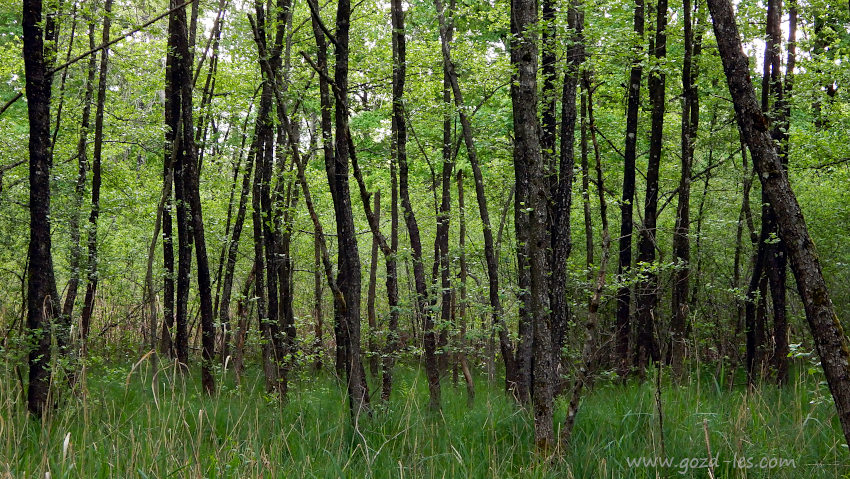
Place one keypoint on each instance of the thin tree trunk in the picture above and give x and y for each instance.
(230, 249)
(464, 271)
(681, 232)
(391, 347)
(829, 338)
(79, 190)
(489, 247)
(91, 285)
(370, 297)
(623, 322)
(318, 314)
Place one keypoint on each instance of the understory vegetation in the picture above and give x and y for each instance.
(149, 420)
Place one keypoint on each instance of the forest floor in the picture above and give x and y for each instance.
(146, 421)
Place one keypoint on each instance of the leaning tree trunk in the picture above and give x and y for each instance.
(831, 343)
(42, 299)
(489, 246)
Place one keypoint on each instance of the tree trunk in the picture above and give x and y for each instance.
(348, 274)
(562, 200)
(188, 158)
(392, 346)
(464, 271)
(79, 191)
(623, 322)
(370, 297)
(42, 299)
(780, 133)
(489, 247)
(647, 289)
(231, 246)
(527, 154)
(831, 343)
(681, 232)
(400, 140)
(91, 285)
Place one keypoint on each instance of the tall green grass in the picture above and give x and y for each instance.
(149, 420)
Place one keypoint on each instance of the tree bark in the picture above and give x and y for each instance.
(91, 285)
(42, 299)
(371, 315)
(527, 154)
(681, 231)
(623, 322)
(489, 247)
(830, 341)
(562, 198)
(348, 274)
(400, 140)
(79, 190)
(647, 288)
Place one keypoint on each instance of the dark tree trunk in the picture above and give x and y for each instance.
(318, 310)
(184, 248)
(681, 232)
(780, 133)
(42, 299)
(79, 191)
(188, 158)
(647, 294)
(623, 322)
(230, 249)
(327, 103)
(441, 240)
(489, 247)
(562, 198)
(91, 285)
(400, 140)
(348, 275)
(464, 272)
(263, 142)
(831, 343)
(371, 315)
(392, 345)
(527, 154)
